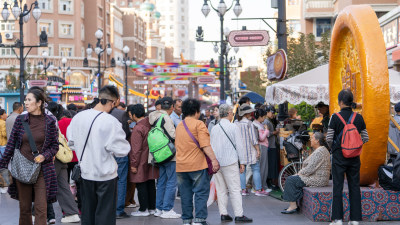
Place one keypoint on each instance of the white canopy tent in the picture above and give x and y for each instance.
(313, 87)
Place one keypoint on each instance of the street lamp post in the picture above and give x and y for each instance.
(221, 10)
(45, 66)
(64, 70)
(23, 14)
(99, 52)
(126, 62)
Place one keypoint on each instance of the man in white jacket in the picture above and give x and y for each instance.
(98, 166)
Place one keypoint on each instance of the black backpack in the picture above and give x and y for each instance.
(387, 179)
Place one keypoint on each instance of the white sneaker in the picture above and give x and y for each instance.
(158, 213)
(71, 219)
(268, 190)
(140, 213)
(336, 222)
(353, 223)
(132, 206)
(170, 215)
(152, 212)
(4, 190)
(52, 221)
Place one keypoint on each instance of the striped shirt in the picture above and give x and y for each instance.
(249, 139)
(227, 152)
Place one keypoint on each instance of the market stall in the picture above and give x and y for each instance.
(312, 87)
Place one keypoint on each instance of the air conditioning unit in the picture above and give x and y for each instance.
(9, 36)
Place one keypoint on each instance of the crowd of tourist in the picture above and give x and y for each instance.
(112, 155)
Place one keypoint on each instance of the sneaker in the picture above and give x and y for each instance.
(245, 192)
(201, 223)
(71, 219)
(132, 206)
(140, 213)
(158, 213)
(152, 212)
(123, 215)
(268, 190)
(336, 222)
(253, 191)
(353, 223)
(51, 221)
(170, 214)
(261, 193)
(4, 190)
(243, 219)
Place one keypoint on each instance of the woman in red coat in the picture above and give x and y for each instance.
(141, 172)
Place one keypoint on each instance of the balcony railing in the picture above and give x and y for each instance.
(319, 4)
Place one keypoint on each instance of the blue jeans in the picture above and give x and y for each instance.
(123, 167)
(195, 183)
(166, 186)
(255, 168)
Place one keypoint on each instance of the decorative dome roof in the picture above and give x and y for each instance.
(147, 6)
(157, 14)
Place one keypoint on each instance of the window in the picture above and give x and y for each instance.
(118, 27)
(66, 51)
(183, 35)
(171, 27)
(294, 26)
(6, 52)
(66, 29)
(7, 26)
(49, 49)
(46, 5)
(293, 2)
(122, 3)
(82, 32)
(171, 34)
(322, 26)
(82, 10)
(82, 51)
(171, 18)
(183, 18)
(183, 27)
(100, 12)
(66, 6)
(46, 25)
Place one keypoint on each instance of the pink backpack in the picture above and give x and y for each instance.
(351, 142)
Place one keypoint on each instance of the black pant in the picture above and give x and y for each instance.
(99, 202)
(147, 195)
(350, 166)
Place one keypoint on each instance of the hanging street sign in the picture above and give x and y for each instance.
(39, 83)
(173, 69)
(241, 38)
(277, 66)
(206, 80)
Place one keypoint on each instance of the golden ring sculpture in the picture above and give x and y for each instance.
(358, 62)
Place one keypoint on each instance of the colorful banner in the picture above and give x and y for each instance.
(173, 69)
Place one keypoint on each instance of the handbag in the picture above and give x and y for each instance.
(209, 163)
(76, 171)
(22, 169)
(64, 153)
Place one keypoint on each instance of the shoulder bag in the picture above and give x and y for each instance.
(64, 153)
(76, 171)
(22, 169)
(209, 163)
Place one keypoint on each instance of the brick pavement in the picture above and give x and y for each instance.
(264, 211)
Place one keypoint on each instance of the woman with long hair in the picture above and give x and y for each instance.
(45, 135)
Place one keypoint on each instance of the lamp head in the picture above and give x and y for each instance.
(5, 13)
(89, 50)
(237, 9)
(16, 11)
(205, 9)
(99, 34)
(27, 15)
(109, 49)
(126, 49)
(64, 60)
(222, 8)
(36, 12)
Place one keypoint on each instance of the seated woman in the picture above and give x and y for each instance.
(315, 173)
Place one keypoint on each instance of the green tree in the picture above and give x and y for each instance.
(307, 112)
(254, 81)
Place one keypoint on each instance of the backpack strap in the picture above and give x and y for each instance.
(159, 121)
(341, 118)
(352, 118)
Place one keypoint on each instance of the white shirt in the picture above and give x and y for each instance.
(223, 148)
(106, 140)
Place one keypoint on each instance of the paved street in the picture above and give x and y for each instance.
(264, 210)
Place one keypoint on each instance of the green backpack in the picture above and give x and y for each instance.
(160, 146)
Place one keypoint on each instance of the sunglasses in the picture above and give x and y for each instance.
(104, 101)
